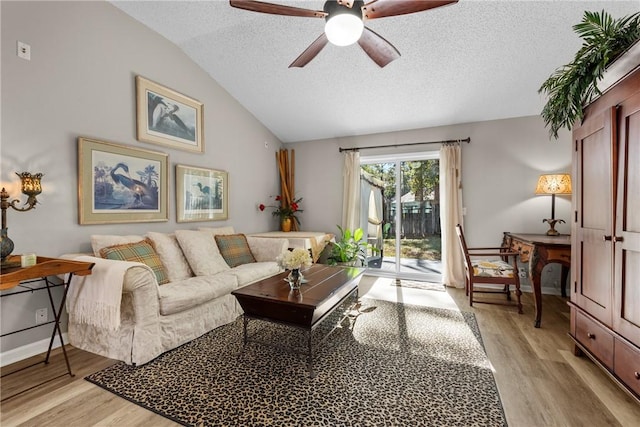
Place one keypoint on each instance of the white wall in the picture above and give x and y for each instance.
(80, 82)
(500, 168)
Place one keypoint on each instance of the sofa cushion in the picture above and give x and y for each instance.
(234, 249)
(217, 231)
(248, 273)
(185, 294)
(267, 248)
(201, 251)
(167, 247)
(139, 252)
(99, 241)
(492, 268)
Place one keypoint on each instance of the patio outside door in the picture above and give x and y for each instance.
(410, 217)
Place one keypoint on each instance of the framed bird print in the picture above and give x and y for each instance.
(201, 194)
(118, 183)
(167, 117)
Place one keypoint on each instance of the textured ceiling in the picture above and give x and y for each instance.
(471, 61)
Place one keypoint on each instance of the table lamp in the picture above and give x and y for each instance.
(553, 184)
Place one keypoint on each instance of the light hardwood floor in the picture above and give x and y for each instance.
(541, 382)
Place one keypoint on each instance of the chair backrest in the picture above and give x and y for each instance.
(463, 248)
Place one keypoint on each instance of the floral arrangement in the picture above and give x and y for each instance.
(283, 210)
(294, 259)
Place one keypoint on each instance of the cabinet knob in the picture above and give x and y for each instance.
(591, 336)
(618, 239)
(607, 238)
(637, 375)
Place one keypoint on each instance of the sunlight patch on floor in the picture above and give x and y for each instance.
(383, 288)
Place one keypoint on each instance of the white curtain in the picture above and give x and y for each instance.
(451, 214)
(365, 192)
(374, 217)
(351, 191)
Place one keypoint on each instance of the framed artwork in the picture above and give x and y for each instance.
(117, 183)
(201, 194)
(167, 117)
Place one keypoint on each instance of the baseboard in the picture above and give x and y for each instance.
(17, 354)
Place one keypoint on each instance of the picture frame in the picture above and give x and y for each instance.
(202, 194)
(167, 117)
(119, 183)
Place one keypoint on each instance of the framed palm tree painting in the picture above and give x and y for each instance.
(118, 184)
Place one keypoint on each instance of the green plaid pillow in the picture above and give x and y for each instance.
(234, 249)
(138, 252)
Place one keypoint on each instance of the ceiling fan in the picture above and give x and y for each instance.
(345, 23)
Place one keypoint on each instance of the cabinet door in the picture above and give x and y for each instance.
(626, 316)
(592, 259)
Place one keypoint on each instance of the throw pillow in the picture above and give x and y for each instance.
(235, 249)
(167, 247)
(138, 252)
(99, 241)
(201, 251)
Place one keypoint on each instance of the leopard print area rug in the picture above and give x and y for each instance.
(387, 364)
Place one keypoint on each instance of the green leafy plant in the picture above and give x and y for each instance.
(573, 86)
(350, 249)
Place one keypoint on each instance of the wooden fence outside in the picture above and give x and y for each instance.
(415, 224)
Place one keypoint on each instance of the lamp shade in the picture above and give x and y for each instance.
(554, 184)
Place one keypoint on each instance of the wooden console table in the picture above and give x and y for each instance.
(539, 250)
(13, 276)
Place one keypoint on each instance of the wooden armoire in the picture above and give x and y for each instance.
(605, 265)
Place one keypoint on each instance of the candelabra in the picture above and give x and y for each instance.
(31, 187)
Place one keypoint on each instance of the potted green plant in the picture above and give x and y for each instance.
(571, 87)
(350, 250)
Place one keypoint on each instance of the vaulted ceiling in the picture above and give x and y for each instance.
(472, 61)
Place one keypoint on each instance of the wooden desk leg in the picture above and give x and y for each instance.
(535, 275)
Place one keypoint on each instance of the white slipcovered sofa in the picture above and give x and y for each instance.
(122, 312)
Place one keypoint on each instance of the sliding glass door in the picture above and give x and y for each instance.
(407, 230)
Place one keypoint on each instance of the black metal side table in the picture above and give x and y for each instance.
(14, 276)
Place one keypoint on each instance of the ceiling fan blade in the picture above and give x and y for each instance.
(276, 9)
(380, 50)
(382, 8)
(310, 52)
(348, 3)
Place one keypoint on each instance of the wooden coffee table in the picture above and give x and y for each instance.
(272, 300)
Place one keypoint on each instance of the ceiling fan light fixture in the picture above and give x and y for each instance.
(343, 30)
(344, 25)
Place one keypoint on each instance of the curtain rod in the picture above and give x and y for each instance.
(448, 141)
